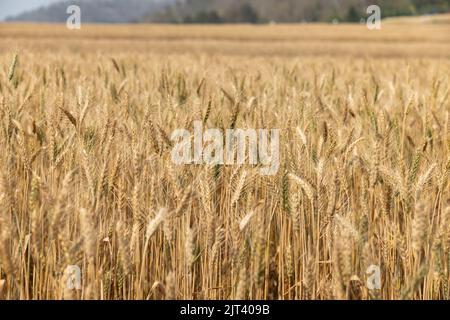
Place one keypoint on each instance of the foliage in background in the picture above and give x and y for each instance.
(263, 11)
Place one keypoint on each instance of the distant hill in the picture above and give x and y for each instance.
(230, 11)
(288, 11)
(92, 11)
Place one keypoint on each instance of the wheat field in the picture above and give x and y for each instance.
(87, 180)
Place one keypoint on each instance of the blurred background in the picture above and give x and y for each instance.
(214, 11)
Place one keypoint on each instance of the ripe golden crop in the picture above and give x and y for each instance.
(87, 182)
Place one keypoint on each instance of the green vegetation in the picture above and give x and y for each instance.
(263, 11)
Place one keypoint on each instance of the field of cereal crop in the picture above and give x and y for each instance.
(87, 178)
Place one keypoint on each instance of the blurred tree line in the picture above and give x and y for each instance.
(264, 11)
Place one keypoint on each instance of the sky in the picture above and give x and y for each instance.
(13, 7)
